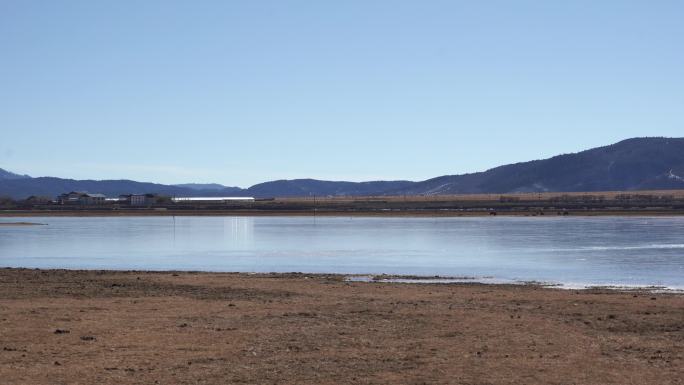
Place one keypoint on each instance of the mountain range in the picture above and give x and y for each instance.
(632, 164)
(6, 175)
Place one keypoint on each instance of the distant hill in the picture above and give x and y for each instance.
(202, 186)
(632, 164)
(6, 175)
(51, 187)
(308, 187)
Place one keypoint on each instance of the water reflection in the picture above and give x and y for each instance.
(240, 231)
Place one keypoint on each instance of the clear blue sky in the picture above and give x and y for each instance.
(240, 92)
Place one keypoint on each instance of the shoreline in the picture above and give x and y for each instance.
(642, 202)
(388, 279)
(398, 214)
(113, 327)
(21, 224)
(446, 280)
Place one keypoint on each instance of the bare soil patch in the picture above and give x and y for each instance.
(100, 327)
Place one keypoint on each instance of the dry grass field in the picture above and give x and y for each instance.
(528, 197)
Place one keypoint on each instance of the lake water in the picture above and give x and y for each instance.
(566, 250)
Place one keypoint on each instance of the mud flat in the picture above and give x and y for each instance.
(67, 327)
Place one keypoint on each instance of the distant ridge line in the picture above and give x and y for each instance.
(649, 163)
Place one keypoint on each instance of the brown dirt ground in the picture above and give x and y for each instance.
(89, 327)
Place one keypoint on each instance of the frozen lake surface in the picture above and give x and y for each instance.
(573, 251)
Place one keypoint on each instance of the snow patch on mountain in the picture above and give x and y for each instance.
(672, 175)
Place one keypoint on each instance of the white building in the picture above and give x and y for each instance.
(212, 199)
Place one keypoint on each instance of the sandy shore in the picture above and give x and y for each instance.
(87, 327)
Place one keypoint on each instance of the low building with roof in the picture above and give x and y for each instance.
(81, 198)
(139, 199)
